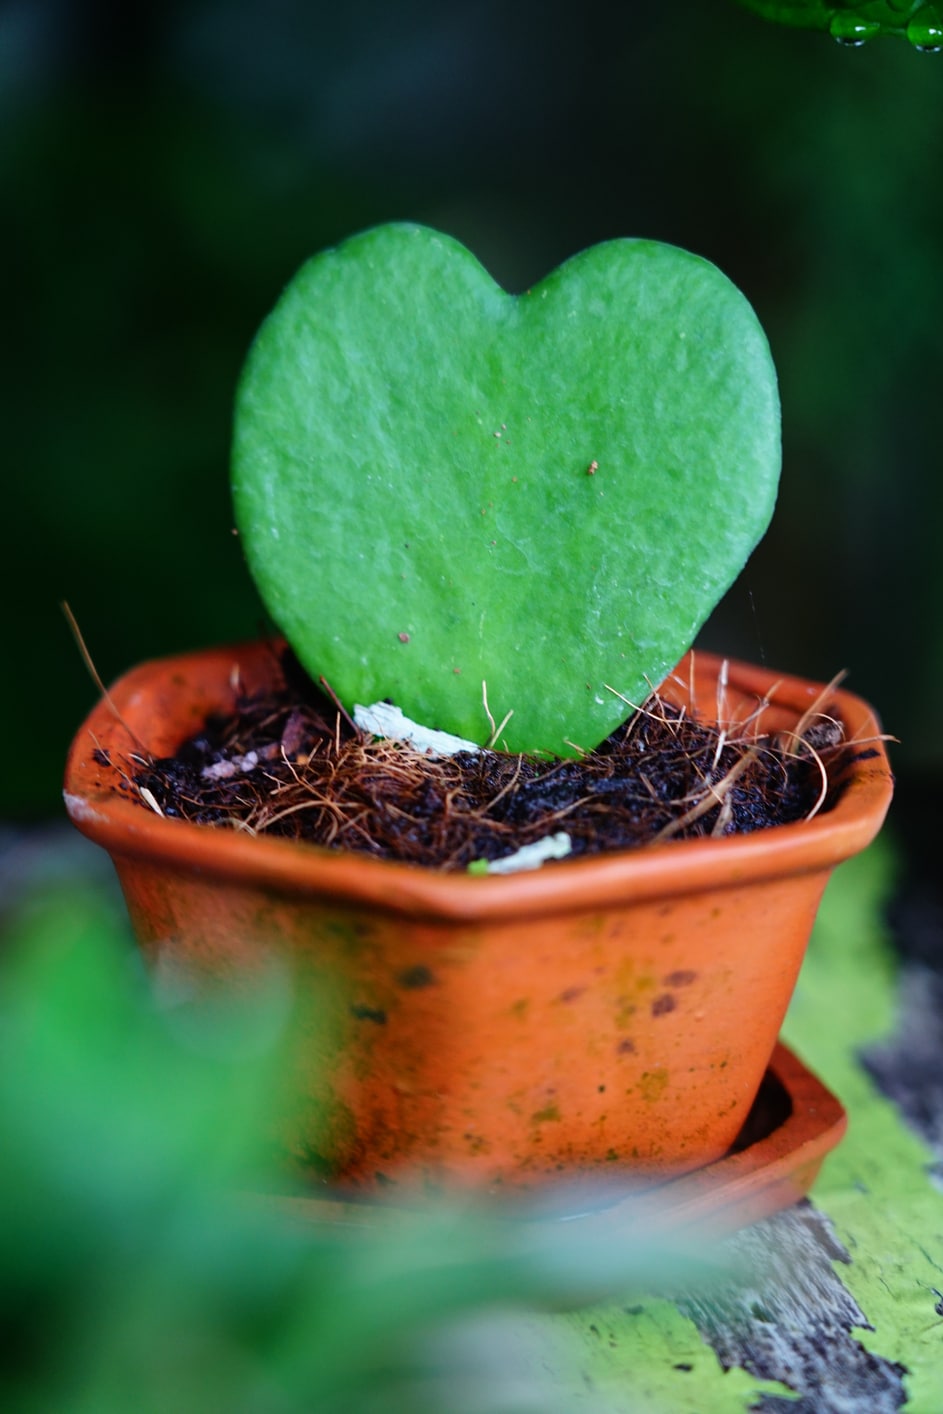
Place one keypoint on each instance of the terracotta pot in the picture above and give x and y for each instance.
(602, 1016)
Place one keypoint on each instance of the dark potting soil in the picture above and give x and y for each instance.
(289, 763)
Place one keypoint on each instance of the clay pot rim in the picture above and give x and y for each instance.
(127, 830)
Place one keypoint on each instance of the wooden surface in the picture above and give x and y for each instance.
(836, 1306)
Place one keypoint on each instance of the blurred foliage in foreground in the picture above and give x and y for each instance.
(135, 1273)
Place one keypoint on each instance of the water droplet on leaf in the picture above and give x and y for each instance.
(925, 30)
(851, 30)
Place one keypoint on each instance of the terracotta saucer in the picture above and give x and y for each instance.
(794, 1122)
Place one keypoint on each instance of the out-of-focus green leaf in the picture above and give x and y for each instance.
(142, 1265)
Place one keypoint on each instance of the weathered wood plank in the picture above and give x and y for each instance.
(789, 1317)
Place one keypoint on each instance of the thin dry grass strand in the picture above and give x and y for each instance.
(96, 678)
(633, 706)
(816, 708)
(754, 717)
(803, 746)
(575, 746)
(647, 709)
(718, 749)
(724, 817)
(484, 702)
(505, 789)
(342, 711)
(289, 810)
(714, 794)
(723, 678)
(124, 770)
(504, 721)
(494, 735)
(823, 793)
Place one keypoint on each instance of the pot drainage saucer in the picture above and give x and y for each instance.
(794, 1122)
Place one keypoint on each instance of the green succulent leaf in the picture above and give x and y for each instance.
(439, 484)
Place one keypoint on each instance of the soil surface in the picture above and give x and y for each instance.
(292, 764)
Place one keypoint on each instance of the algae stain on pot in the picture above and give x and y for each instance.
(681, 977)
(652, 1084)
(625, 1010)
(328, 1138)
(415, 977)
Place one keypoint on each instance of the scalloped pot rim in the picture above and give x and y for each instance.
(165, 700)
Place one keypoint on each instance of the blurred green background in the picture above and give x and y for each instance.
(165, 168)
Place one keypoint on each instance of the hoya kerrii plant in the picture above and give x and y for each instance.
(491, 507)
(451, 496)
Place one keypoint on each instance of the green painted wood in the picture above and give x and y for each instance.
(876, 1186)
(874, 1205)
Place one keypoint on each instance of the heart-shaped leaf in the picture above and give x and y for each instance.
(439, 484)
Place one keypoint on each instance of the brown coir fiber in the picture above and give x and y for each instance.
(290, 763)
